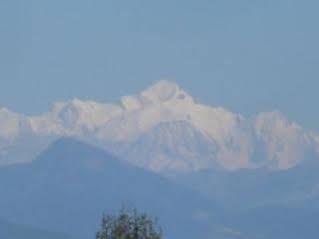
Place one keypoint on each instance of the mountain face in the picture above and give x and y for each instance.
(71, 184)
(181, 134)
(169, 147)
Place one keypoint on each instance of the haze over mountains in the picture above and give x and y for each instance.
(204, 171)
(165, 130)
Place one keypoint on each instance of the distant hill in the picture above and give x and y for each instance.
(15, 231)
(71, 184)
(246, 189)
(276, 204)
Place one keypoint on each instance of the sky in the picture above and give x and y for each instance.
(247, 56)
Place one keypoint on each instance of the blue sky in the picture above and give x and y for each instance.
(247, 56)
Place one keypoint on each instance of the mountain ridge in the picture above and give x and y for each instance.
(267, 140)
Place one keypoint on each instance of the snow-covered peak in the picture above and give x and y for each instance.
(165, 90)
(274, 119)
(287, 142)
(161, 92)
(274, 125)
(75, 117)
(4, 112)
(89, 113)
(12, 124)
(76, 105)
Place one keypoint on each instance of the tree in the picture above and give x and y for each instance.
(129, 224)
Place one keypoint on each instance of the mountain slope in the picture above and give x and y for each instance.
(71, 184)
(170, 146)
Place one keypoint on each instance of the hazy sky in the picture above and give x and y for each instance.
(247, 55)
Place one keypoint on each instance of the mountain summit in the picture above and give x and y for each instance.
(164, 91)
(159, 93)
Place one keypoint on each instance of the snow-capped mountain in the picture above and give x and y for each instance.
(164, 128)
